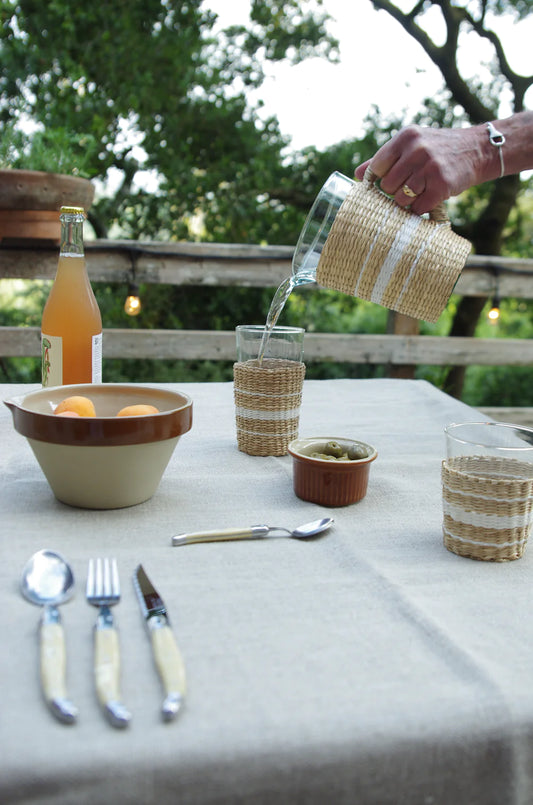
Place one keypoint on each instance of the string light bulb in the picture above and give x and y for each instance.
(132, 305)
(494, 312)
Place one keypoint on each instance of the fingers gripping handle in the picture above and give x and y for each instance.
(53, 672)
(438, 214)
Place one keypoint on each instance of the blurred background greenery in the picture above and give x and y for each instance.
(151, 101)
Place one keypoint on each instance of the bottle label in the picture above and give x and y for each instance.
(51, 360)
(97, 358)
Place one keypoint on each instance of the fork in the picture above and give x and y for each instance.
(103, 591)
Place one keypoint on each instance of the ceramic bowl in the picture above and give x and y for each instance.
(103, 462)
(329, 483)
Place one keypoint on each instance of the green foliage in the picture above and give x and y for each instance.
(154, 86)
(21, 305)
(522, 8)
(498, 385)
(315, 310)
(55, 150)
(156, 90)
(502, 385)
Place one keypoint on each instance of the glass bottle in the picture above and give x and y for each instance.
(71, 327)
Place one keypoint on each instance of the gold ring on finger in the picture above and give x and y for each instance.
(408, 192)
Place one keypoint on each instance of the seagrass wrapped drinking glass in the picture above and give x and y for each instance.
(268, 389)
(487, 490)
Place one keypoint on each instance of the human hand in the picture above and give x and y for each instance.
(433, 163)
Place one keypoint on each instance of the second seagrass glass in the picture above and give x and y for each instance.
(487, 489)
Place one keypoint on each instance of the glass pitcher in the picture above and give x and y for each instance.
(357, 240)
(317, 227)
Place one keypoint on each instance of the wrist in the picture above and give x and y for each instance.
(517, 150)
(485, 157)
(497, 140)
(491, 157)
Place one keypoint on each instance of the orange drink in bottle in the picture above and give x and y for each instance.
(71, 328)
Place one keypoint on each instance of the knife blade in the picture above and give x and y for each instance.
(167, 655)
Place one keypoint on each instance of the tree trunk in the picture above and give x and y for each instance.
(464, 324)
(486, 234)
(400, 324)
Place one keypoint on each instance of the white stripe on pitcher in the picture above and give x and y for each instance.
(396, 251)
(377, 236)
(423, 247)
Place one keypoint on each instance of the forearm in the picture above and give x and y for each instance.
(435, 164)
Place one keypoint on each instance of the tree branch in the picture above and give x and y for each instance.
(519, 83)
(444, 57)
(486, 232)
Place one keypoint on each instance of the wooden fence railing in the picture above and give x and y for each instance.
(227, 265)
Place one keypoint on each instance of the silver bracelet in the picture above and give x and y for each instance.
(497, 139)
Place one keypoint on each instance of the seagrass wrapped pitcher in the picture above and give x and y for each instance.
(357, 240)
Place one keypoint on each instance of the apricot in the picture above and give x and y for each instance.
(82, 406)
(138, 410)
(69, 414)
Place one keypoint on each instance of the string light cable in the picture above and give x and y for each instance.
(132, 305)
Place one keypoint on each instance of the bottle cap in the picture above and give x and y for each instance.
(72, 211)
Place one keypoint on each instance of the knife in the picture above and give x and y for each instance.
(167, 656)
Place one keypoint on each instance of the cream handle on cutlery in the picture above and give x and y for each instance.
(250, 532)
(170, 666)
(107, 675)
(53, 668)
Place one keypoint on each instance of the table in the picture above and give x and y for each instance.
(368, 666)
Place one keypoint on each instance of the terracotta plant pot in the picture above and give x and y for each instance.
(30, 203)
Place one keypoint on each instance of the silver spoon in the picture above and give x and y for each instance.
(47, 580)
(253, 532)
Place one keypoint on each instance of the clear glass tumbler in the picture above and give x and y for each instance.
(487, 490)
(285, 343)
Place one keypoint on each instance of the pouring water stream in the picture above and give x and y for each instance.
(302, 274)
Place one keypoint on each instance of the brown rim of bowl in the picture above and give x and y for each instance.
(97, 431)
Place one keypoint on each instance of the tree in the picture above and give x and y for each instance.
(152, 87)
(480, 102)
(157, 90)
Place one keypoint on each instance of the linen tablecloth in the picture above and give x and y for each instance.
(366, 666)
